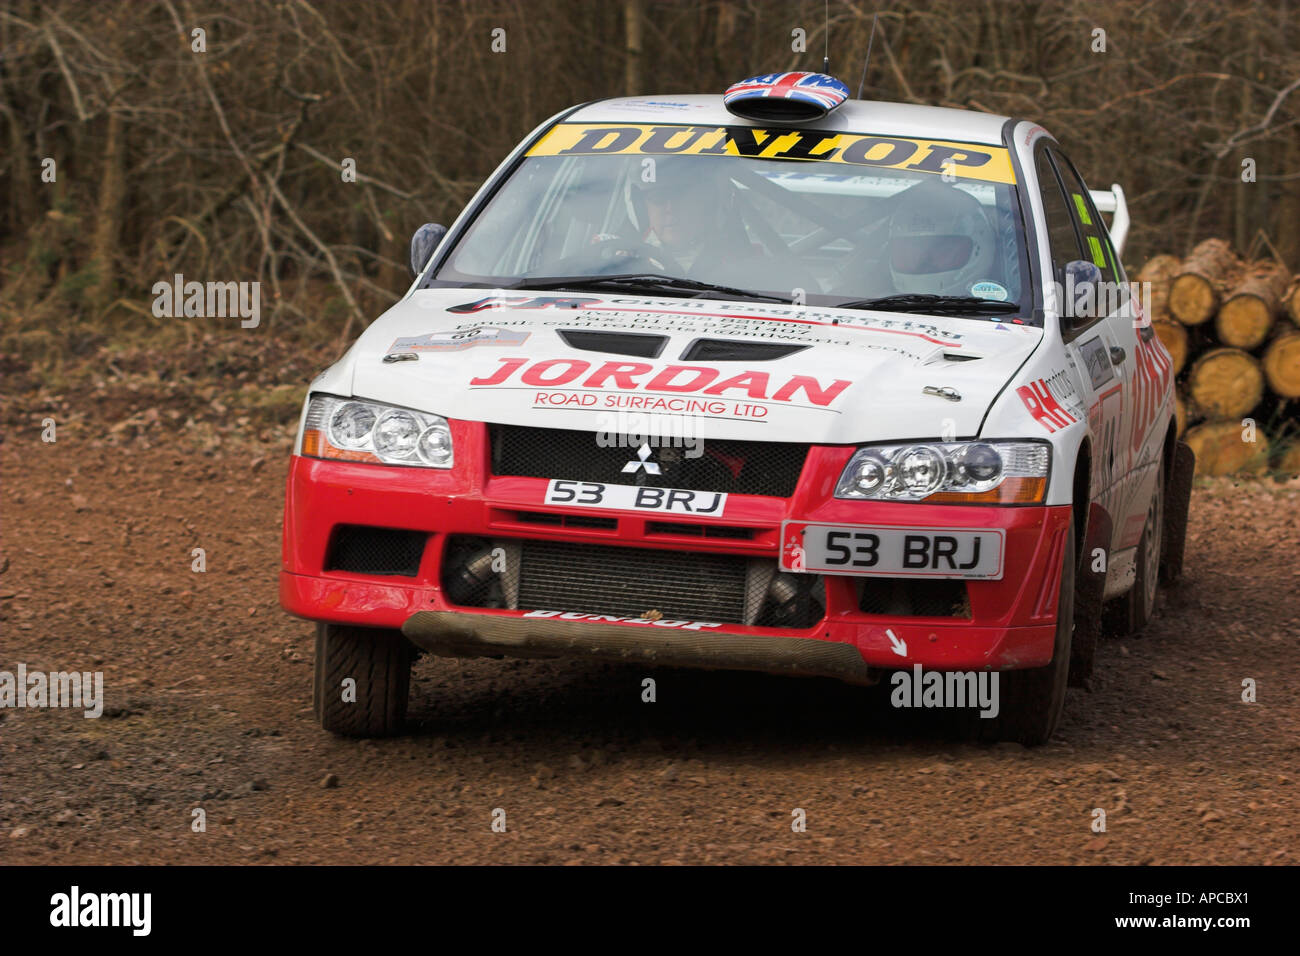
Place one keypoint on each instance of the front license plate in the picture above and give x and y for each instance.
(891, 552)
(592, 494)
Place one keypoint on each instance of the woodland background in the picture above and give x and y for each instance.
(225, 165)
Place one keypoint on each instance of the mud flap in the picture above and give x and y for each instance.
(1178, 498)
(1089, 586)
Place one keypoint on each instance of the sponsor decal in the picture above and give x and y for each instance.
(1153, 370)
(526, 302)
(793, 323)
(458, 340)
(590, 494)
(966, 161)
(1044, 406)
(615, 619)
(990, 290)
(598, 386)
(659, 106)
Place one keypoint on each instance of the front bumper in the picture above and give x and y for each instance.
(1010, 622)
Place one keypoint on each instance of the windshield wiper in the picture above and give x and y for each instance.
(643, 282)
(924, 302)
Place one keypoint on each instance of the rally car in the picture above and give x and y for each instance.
(775, 380)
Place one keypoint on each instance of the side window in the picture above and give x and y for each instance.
(1096, 242)
(1061, 234)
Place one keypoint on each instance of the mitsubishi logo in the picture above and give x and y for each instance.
(643, 454)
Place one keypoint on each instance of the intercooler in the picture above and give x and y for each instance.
(629, 582)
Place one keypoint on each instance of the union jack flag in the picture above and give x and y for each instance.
(825, 91)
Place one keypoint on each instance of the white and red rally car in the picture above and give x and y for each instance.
(772, 381)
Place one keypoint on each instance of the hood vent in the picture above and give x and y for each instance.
(725, 350)
(616, 343)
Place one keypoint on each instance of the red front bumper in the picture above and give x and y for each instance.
(1011, 622)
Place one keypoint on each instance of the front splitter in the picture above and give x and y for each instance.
(457, 634)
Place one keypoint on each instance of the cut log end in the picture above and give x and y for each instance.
(1225, 383)
(1292, 301)
(1243, 321)
(1282, 365)
(1194, 294)
(1174, 338)
(1192, 299)
(1160, 268)
(1224, 448)
(1247, 316)
(1288, 462)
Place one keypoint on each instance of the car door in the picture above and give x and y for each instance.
(1145, 365)
(1092, 347)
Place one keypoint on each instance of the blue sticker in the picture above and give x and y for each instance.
(989, 290)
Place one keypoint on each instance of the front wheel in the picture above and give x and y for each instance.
(1030, 701)
(361, 680)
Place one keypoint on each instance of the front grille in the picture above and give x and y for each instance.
(385, 551)
(629, 582)
(734, 467)
(565, 521)
(699, 530)
(902, 597)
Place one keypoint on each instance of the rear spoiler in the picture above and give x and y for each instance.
(1112, 201)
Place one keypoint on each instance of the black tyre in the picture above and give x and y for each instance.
(1178, 502)
(1030, 701)
(379, 661)
(1128, 615)
(1089, 588)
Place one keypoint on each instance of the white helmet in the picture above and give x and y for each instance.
(940, 241)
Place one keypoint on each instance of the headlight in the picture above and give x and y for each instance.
(348, 429)
(997, 472)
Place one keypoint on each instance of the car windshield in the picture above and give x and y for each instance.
(799, 216)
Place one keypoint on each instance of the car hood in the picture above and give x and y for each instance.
(657, 365)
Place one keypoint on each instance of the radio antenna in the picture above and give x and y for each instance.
(826, 38)
(863, 82)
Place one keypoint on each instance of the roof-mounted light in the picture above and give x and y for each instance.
(785, 97)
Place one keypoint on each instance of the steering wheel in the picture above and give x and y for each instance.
(617, 254)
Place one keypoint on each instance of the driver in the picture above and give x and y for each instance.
(940, 241)
(683, 209)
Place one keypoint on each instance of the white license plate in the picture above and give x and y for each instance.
(892, 552)
(590, 494)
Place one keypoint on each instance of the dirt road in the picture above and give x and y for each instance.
(208, 707)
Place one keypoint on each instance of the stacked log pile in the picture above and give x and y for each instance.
(1232, 329)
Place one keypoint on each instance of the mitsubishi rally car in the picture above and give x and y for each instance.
(774, 381)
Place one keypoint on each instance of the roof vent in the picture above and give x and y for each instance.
(785, 97)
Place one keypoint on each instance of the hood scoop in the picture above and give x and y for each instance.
(615, 343)
(725, 350)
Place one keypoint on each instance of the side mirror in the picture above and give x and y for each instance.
(1081, 280)
(423, 243)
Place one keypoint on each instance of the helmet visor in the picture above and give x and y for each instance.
(923, 255)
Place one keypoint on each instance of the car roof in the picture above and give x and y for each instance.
(854, 116)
